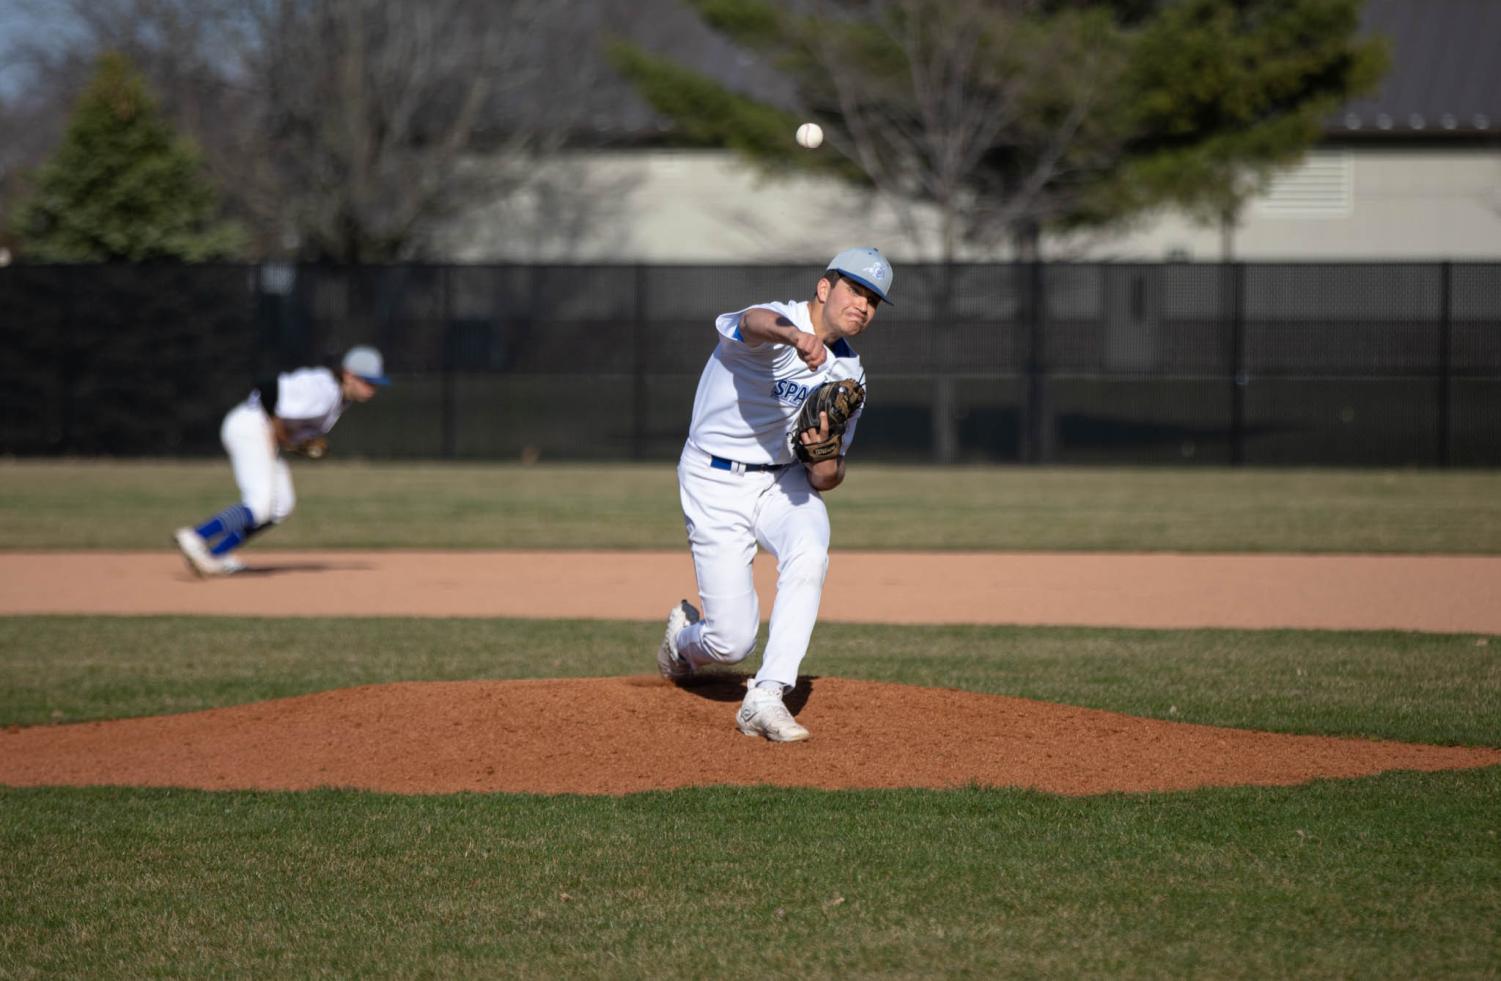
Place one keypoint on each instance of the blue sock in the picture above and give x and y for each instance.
(228, 543)
(233, 520)
(235, 539)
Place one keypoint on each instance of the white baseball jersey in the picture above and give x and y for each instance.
(309, 401)
(749, 396)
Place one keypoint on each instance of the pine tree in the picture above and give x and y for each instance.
(1010, 115)
(122, 185)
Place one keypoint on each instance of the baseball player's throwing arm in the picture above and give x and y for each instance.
(769, 327)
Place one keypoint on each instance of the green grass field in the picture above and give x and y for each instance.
(1392, 876)
(353, 505)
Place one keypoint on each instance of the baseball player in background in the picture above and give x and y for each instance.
(290, 413)
(742, 482)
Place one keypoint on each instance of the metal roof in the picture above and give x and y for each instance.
(1445, 72)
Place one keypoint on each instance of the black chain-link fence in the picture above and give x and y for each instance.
(1286, 364)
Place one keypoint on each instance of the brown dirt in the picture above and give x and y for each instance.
(1356, 592)
(620, 735)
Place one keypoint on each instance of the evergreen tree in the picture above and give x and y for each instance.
(122, 185)
(1222, 93)
(1013, 115)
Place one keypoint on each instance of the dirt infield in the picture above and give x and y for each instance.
(619, 735)
(1357, 592)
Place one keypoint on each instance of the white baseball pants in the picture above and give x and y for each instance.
(264, 479)
(728, 514)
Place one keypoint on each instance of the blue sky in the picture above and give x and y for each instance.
(13, 22)
(17, 20)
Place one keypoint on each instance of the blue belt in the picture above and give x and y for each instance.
(720, 463)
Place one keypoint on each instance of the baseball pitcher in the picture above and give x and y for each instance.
(776, 409)
(290, 414)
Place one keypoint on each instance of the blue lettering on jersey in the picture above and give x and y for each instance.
(790, 392)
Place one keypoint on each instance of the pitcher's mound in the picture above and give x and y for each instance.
(619, 735)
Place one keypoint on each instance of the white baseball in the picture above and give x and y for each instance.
(809, 135)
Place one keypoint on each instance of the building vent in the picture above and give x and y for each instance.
(1322, 186)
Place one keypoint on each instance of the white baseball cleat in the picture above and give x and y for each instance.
(763, 714)
(195, 550)
(675, 667)
(229, 565)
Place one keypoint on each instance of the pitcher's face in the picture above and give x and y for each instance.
(848, 306)
(357, 389)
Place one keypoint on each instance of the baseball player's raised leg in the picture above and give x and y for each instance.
(251, 446)
(731, 610)
(278, 507)
(245, 434)
(718, 513)
(283, 495)
(793, 525)
(247, 439)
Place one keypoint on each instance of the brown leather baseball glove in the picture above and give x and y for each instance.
(841, 400)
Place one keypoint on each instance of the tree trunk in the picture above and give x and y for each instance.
(1038, 430)
(1229, 219)
(945, 429)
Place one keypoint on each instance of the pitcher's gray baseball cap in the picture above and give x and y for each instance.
(866, 266)
(366, 362)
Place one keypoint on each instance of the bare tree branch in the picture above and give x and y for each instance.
(985, 100)
(337, 127)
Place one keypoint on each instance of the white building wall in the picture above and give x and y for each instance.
(675, 206)
(1425, 204)
(709, 207)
